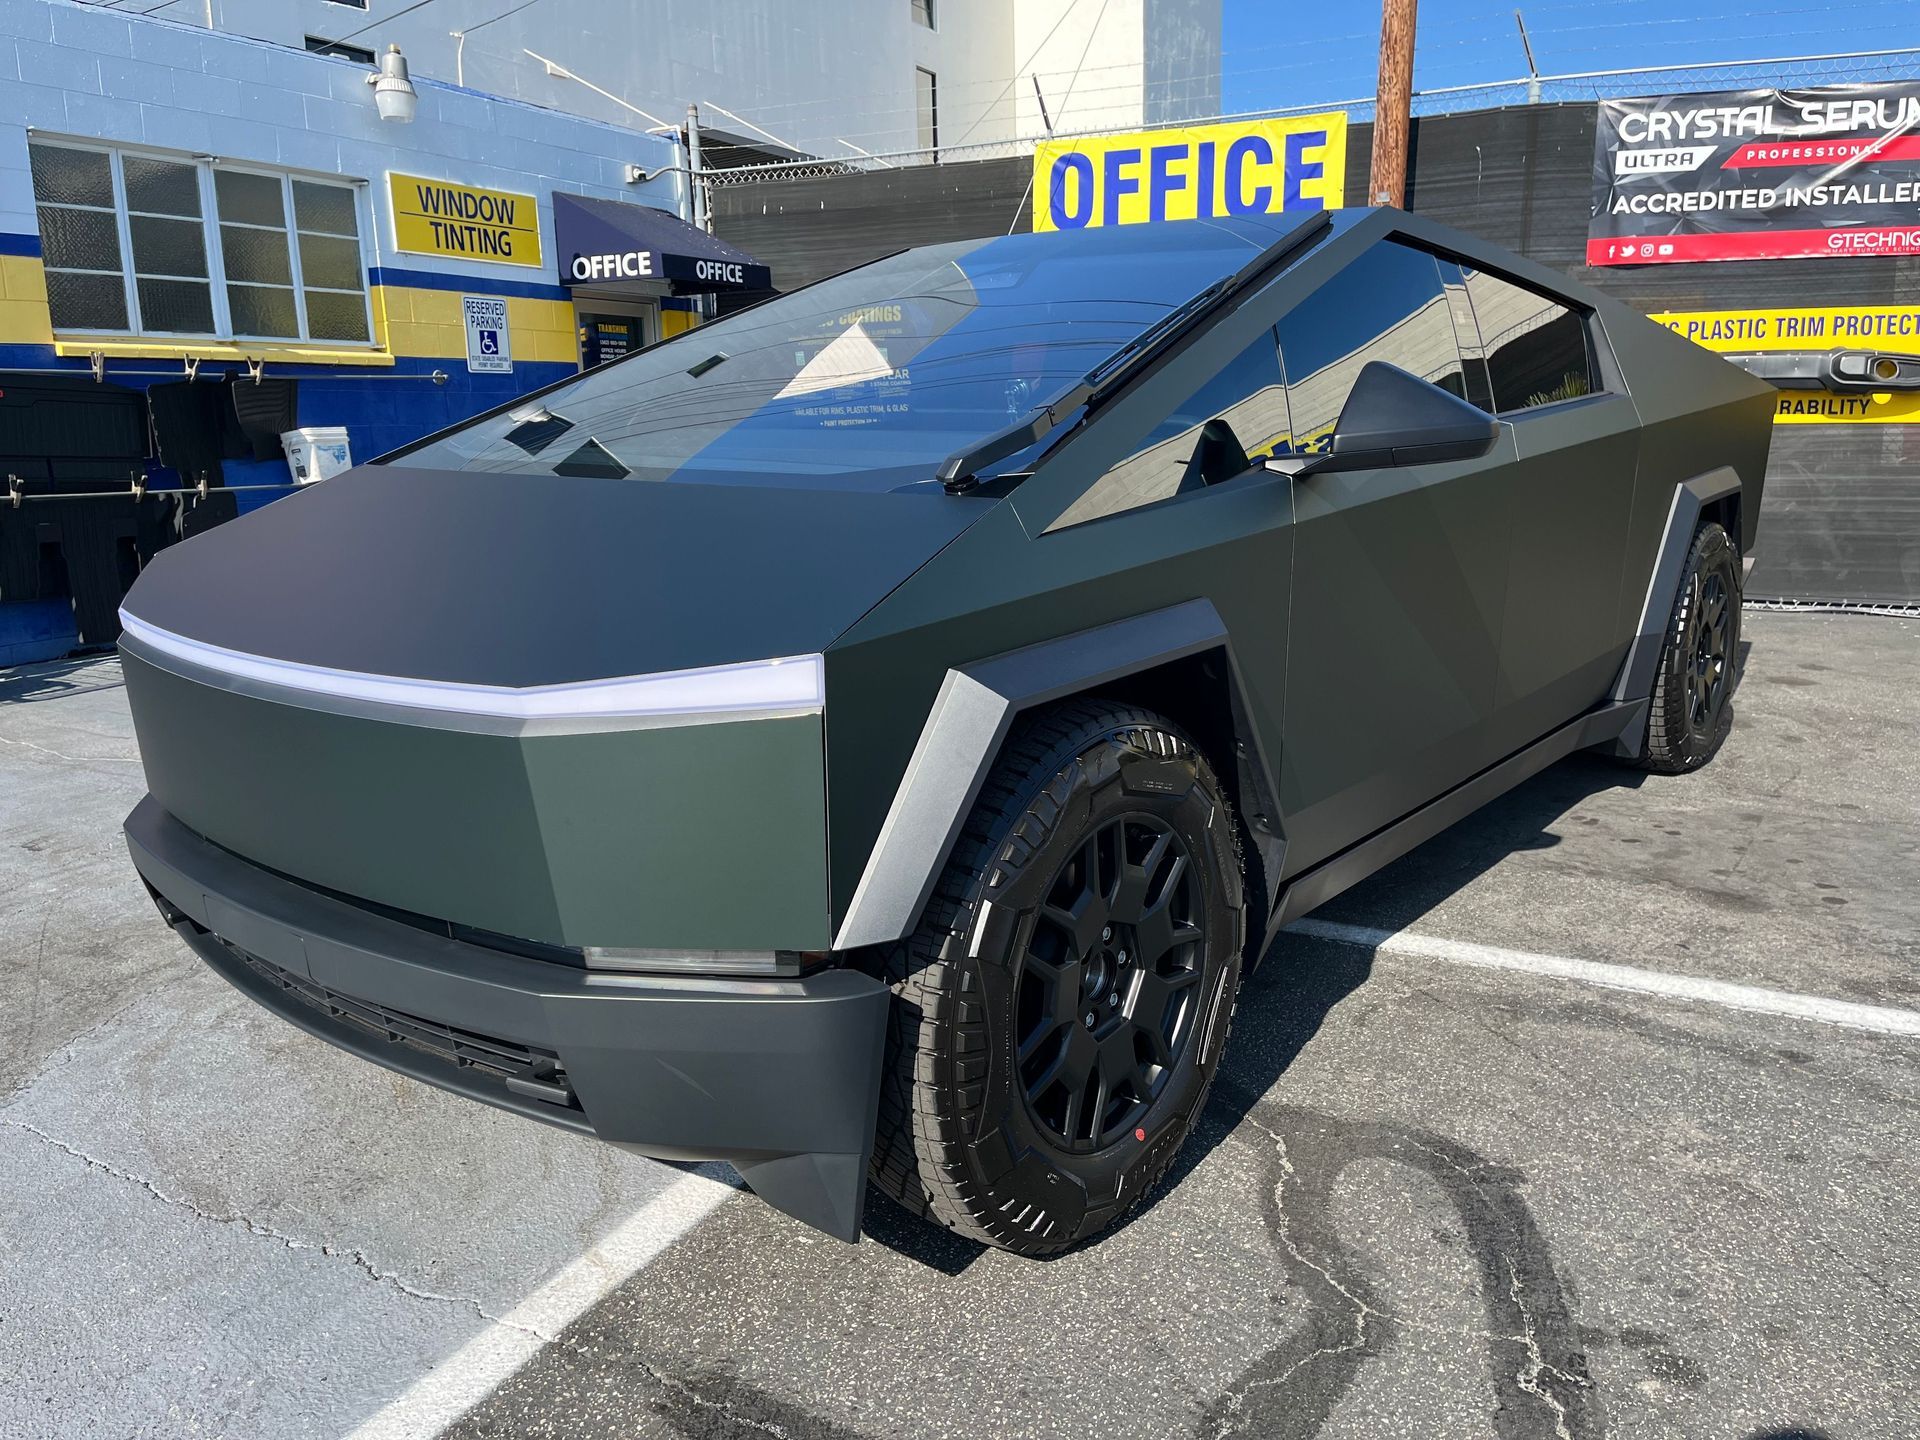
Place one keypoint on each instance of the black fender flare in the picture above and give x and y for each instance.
(1634, 684)
(969, 721)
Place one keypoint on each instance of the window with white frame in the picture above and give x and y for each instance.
(926, 95)
(148, 244)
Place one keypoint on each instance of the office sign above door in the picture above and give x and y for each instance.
(606, 242)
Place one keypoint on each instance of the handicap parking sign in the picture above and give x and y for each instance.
(489, 350)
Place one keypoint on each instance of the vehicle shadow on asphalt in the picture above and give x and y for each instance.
(1300, 980)
(57, 679)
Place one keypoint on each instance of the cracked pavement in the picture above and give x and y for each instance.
(1425, 1200)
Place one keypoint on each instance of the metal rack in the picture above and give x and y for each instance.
(255, 370)
(137, 489)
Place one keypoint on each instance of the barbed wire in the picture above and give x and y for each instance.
(1781, 71)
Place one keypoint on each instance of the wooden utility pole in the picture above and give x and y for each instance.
(1393, 105)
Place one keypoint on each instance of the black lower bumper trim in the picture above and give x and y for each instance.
(779, 1077)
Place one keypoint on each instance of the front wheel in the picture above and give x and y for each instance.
(1061, 1010)
(1692, 708)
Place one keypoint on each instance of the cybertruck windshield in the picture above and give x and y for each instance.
(867, 380)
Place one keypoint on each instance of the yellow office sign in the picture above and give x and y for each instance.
(1882, 329)
(1254, 167)
(464, 222)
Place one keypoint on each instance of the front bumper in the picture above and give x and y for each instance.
(779, 1077)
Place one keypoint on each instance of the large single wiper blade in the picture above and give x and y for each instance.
(1106, 377)
(1144, 342)
(960, 472)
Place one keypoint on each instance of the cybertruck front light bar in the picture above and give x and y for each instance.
(794, 683)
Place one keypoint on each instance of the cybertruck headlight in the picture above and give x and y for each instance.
(789, 684)
(762, 964)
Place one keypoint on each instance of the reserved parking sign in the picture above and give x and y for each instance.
(489, 349)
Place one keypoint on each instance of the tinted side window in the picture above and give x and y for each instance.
(1473, 357)
(1388, 305)
(1228, 425)
(1537, 349)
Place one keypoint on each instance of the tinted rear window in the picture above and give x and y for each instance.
(1537, 349)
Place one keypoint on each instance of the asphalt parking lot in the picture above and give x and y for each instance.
(1444, 1189)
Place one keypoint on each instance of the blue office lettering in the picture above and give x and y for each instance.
(1299, 168)
(1237, 153)
(1080, 165)
(1161, 181)
(1115, 186)
(1203, 185)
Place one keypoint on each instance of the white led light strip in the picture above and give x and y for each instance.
(792, 683)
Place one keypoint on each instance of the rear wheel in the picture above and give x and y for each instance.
(1692, 708)
(1061, 1010)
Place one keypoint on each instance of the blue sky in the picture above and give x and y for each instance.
(1285, 52)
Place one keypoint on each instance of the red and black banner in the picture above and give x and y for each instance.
(1757, 175)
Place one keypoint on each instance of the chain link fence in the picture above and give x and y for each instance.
(1856, 67)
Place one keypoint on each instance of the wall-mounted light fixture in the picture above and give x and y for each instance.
(393, 93)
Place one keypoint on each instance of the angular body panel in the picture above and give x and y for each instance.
(1574, 485)
(485, 579)
(629, 838)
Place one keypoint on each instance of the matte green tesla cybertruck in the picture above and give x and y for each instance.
(864, 736)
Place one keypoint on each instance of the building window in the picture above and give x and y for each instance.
(923, 12)
(350, 4)
(926, 95)
(145, 244)
(74, 192)
(168, 236)
(340, 51)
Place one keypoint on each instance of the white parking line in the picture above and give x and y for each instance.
(1885, 1019)
(492, 1357)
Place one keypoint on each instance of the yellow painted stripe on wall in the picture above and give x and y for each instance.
(428, 324)
(677, 322)
(23, 301)
(417, 323)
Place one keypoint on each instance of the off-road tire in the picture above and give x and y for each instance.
(960, 1141)
(1684, 725)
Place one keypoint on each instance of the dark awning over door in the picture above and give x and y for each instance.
(604, 242)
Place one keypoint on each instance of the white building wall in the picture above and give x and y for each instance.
(84, 72)
(1150, 62)
(806, 72)
(826, 77)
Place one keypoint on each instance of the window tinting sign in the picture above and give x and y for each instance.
(435, 217)
(489, 346)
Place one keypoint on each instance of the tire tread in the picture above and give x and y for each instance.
(918, 1150)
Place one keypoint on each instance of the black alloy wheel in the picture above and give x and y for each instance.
(1711, 625)
(1061, 1010)
(1699, 667)
(1108, 987)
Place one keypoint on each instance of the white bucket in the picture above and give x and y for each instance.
(316, 452)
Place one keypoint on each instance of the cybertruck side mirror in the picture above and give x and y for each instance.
(1394, 418)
